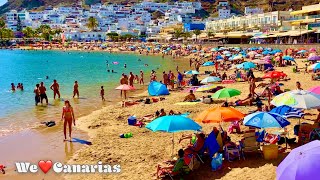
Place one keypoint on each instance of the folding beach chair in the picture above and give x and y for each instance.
(249, 144)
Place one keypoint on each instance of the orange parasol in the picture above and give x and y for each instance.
(220, 114)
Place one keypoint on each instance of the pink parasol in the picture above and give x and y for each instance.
(125, 87)
(313, 50)
(315, 90)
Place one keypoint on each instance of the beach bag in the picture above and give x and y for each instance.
(193, 162)
(207, 100)
(216, 162)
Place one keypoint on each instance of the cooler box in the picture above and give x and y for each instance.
(132, 120)
(270, 151)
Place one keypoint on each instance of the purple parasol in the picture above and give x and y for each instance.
(314, 58)
(302, 163)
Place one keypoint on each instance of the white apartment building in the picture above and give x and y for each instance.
(12, 19)
(224, 13)
(36, 15)
(248, 10)
(152, 6)
(223, 3)
(265, 21)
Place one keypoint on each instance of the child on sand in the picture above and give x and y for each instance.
(102, 93)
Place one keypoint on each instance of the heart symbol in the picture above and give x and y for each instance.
(45, 166)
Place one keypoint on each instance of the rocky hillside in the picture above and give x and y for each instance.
(239, 5)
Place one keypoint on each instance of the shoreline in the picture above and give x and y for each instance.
(35, 133)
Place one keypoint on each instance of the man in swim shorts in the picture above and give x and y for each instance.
(75, 89)
(43, 95)
(55, 88)
(37, 94)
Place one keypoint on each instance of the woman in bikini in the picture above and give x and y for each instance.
(68, 117)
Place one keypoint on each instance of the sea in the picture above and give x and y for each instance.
(17, 109)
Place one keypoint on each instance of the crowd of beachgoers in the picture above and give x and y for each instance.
(245, 99)
(229, 95)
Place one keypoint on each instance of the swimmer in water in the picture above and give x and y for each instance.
(47, 77)
(108, 70)
(125, 65)
(146, 65)
(139, 59)
(13, 88)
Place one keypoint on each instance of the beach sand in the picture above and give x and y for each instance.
(139, 155)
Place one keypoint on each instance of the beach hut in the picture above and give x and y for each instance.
(156, 89)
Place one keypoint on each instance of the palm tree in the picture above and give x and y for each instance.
(178, 32)
(92, 23)
(196, 32)
(113, 36)
(187, 35)
(28, 32)
(45, 31)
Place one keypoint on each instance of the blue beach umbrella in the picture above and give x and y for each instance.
(194, 51)
(219, 57)
(288, 112)
(214, 49)
(192, 72)
(172, 124)
(301, 51)
(246, 65)
(265, 120)
(266, 52)
(209, 63)
(157, 89)
(288, 58)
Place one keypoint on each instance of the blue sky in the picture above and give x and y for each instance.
(2, 2)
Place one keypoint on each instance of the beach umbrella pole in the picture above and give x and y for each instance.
(172, 143)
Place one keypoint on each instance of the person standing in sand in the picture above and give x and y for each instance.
(76, 89)
(68, 117)
(165, 78)
(131, 78)
(141, 78)
(37, 94)
(43, 94)
(102, 93)
(123, 80)
(55, 88)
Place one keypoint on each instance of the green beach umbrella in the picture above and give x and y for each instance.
(226, 93)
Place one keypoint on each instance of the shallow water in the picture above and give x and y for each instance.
(17, 109)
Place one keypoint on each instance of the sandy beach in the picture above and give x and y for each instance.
(139, 155)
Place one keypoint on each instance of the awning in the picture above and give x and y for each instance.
(304, 11)
(298, 33)
(299, 12)
(302, 21)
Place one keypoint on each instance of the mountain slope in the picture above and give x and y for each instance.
(267, 5)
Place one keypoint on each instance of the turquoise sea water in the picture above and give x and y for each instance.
(17, 110)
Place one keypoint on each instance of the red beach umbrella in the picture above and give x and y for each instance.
(274, 74)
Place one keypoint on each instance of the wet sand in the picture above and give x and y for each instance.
(44, 143)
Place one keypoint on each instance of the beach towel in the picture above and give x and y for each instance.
(186, 103)
(211, 144)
